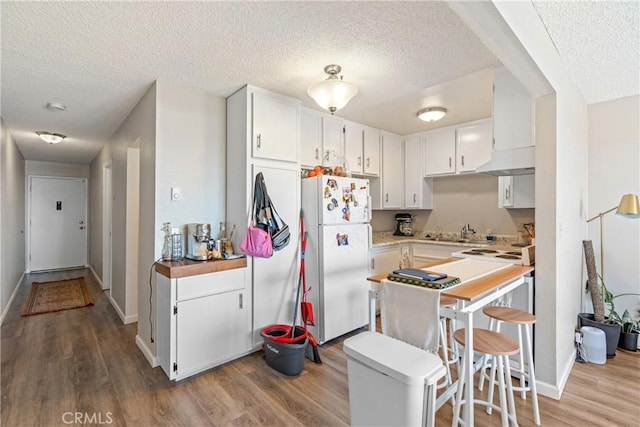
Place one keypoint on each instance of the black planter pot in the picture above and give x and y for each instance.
(611, 331)
(628, 341)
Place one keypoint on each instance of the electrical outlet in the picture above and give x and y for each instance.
(176, 193)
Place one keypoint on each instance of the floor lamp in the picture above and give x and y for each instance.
(629, 207)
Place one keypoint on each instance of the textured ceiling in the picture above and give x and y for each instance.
(99, 58)
(599, 42)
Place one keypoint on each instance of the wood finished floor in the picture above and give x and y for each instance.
(86, 361)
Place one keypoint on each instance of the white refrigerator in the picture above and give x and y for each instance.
(337, 212)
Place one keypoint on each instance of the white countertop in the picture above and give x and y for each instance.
(388, 239)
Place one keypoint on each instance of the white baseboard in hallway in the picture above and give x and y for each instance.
(13, 296)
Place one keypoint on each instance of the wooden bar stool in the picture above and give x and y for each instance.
(499, 347)
(523, 320)
(449, 351)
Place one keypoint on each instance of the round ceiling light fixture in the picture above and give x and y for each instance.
(50, 137)
(432, 114)
(333, 93)
(55, 106)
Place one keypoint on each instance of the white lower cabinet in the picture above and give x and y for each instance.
(384, 259)
(203, 321)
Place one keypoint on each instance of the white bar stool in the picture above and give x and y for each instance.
(500, 347)
(449, 351)
(523, 320)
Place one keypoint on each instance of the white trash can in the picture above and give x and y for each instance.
(391, 383)
(594, 342)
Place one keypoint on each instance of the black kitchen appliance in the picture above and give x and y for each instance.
(403, 225)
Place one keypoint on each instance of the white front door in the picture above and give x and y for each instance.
(58, 223)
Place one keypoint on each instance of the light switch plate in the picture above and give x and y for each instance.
(176, 193)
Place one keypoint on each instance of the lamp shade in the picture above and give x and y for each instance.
(629, 206)
(432, 114)
(333, 93)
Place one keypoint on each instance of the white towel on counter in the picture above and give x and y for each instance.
(411, 314)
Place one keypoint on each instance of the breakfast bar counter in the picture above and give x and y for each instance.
(472, 294)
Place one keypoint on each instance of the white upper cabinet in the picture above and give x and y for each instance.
(440, 156)
(513, 112)
(418, 192)
(459, 149)
(517, 191)
(474, 146)
(362, 149)
(275, 127)
(321, 138)
(331, 138)
(392, 171)
(310, 138)
(371, 151)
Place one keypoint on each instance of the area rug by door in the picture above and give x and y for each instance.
(47, 297)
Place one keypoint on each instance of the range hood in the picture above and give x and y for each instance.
(514, 161)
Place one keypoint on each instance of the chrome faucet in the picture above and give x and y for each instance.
(466, 231)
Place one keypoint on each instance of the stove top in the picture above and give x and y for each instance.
(524, 257)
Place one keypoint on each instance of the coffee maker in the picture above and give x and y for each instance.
(198, 236)
(403, 225)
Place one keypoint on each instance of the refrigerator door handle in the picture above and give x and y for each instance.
(370, 235)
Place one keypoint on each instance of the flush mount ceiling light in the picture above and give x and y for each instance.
(432, 114)
(55, 106)
(51, 138)
(333, 93)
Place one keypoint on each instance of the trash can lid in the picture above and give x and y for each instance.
(404, 362)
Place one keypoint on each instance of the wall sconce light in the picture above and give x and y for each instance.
(333, 93)
(432, 114)
(51, 138)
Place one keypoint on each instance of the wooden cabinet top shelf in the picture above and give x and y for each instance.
(187, 267)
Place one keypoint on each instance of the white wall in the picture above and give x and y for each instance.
(139, 125)
(33, 167)
(12, 217)
(181, 136)
(614, 170)
(190, 155)
(459, 200)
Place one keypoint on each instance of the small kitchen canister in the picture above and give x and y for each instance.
(176, 245)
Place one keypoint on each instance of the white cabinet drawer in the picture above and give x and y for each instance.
(210, 284)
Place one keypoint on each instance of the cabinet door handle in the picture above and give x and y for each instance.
(463, 160)
(414, 197)
(259, 140)
(449, 162)
(359, 160)
(386, 197)
(317, 153)
(240, 302)
(368, 162)
(507, 193)
(373, 263)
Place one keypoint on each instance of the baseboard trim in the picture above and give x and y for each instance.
(95, 276)
(554, 391)
(148, 354)
(13, 296)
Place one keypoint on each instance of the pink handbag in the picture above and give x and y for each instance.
(257, 242)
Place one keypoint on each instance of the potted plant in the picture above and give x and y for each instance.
(611, 329)
(599, 295)
(629, 335)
